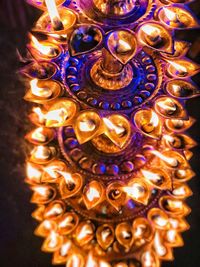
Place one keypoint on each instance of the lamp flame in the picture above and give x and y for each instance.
(135, 191)
(54, 15)
(154, 119)
(151, 31)
(33, 173)
(85, 230)
(38, 135)
(38, 91)
(118, 129)
(171, 161)
(59, 115)
(41, 152)
(160, 249)
(170, 14)
(87, 126)
(178, 67)
(40, 114)
(151, 176)
(43, 49)
(92, 193)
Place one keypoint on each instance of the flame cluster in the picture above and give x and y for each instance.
(159, 188)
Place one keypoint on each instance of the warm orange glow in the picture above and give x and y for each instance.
(42, 190)
(151, 176)
(92, 193)
(67, 176)
(87, 126)
(154, 119)
(43, 49)
(38, 135)
(118, 129)
(91, 261)
(33, 173)
(171, 15)
(150, 30)
(167, 105)
(180, 68)
(41, 152)
(171, 161)
(159, 247)
(38, 91)
(85, 230)
(40, 114)
(57, 115)
(53, 12)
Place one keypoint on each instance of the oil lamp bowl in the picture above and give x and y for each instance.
(41, 70)
(68, 19)
(182, 89)
(154, 35)
(177, 17)
(86, 38)
(178, 125)
(47, 136)
(122, 44)
(54, 86)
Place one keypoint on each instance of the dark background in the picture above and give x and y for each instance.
(18, 246)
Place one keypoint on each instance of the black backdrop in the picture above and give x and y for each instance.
(18, 246)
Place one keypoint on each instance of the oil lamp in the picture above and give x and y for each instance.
(109, 156)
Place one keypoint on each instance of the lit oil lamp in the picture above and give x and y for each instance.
(124, 234)
(75, 260)
(149, 259)
(115, 195)
(67, 223)
(88, 125)
(182, 89)
(41, 70)
(179, 224)
(161, 249)
(173, 238)
(61, 113)
(182, 68)
(45, 228)
(154, 35)
(181, 191)
(38, 212)
(52, 242)
(54, 210)
(60, 256)
(169, 108)
(42, 194)
(177, 17)
(117, 129)
(147, 121)
(181, 48)
(172, 159)
(38, 116)
(158, 218)
(40, 136)
(158, 178)
(138, 190)
(179, 141)
(70, 184)
(43, 92)
(43, 154)
(105, 235)
(178, 125)
(51, 172)
(183, 174)
(33, 173)
(142, 231)
(84, 233)
(43, 49)
(174, 206)
(57, 21)
(93, 194)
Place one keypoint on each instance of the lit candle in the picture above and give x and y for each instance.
(54, 15)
